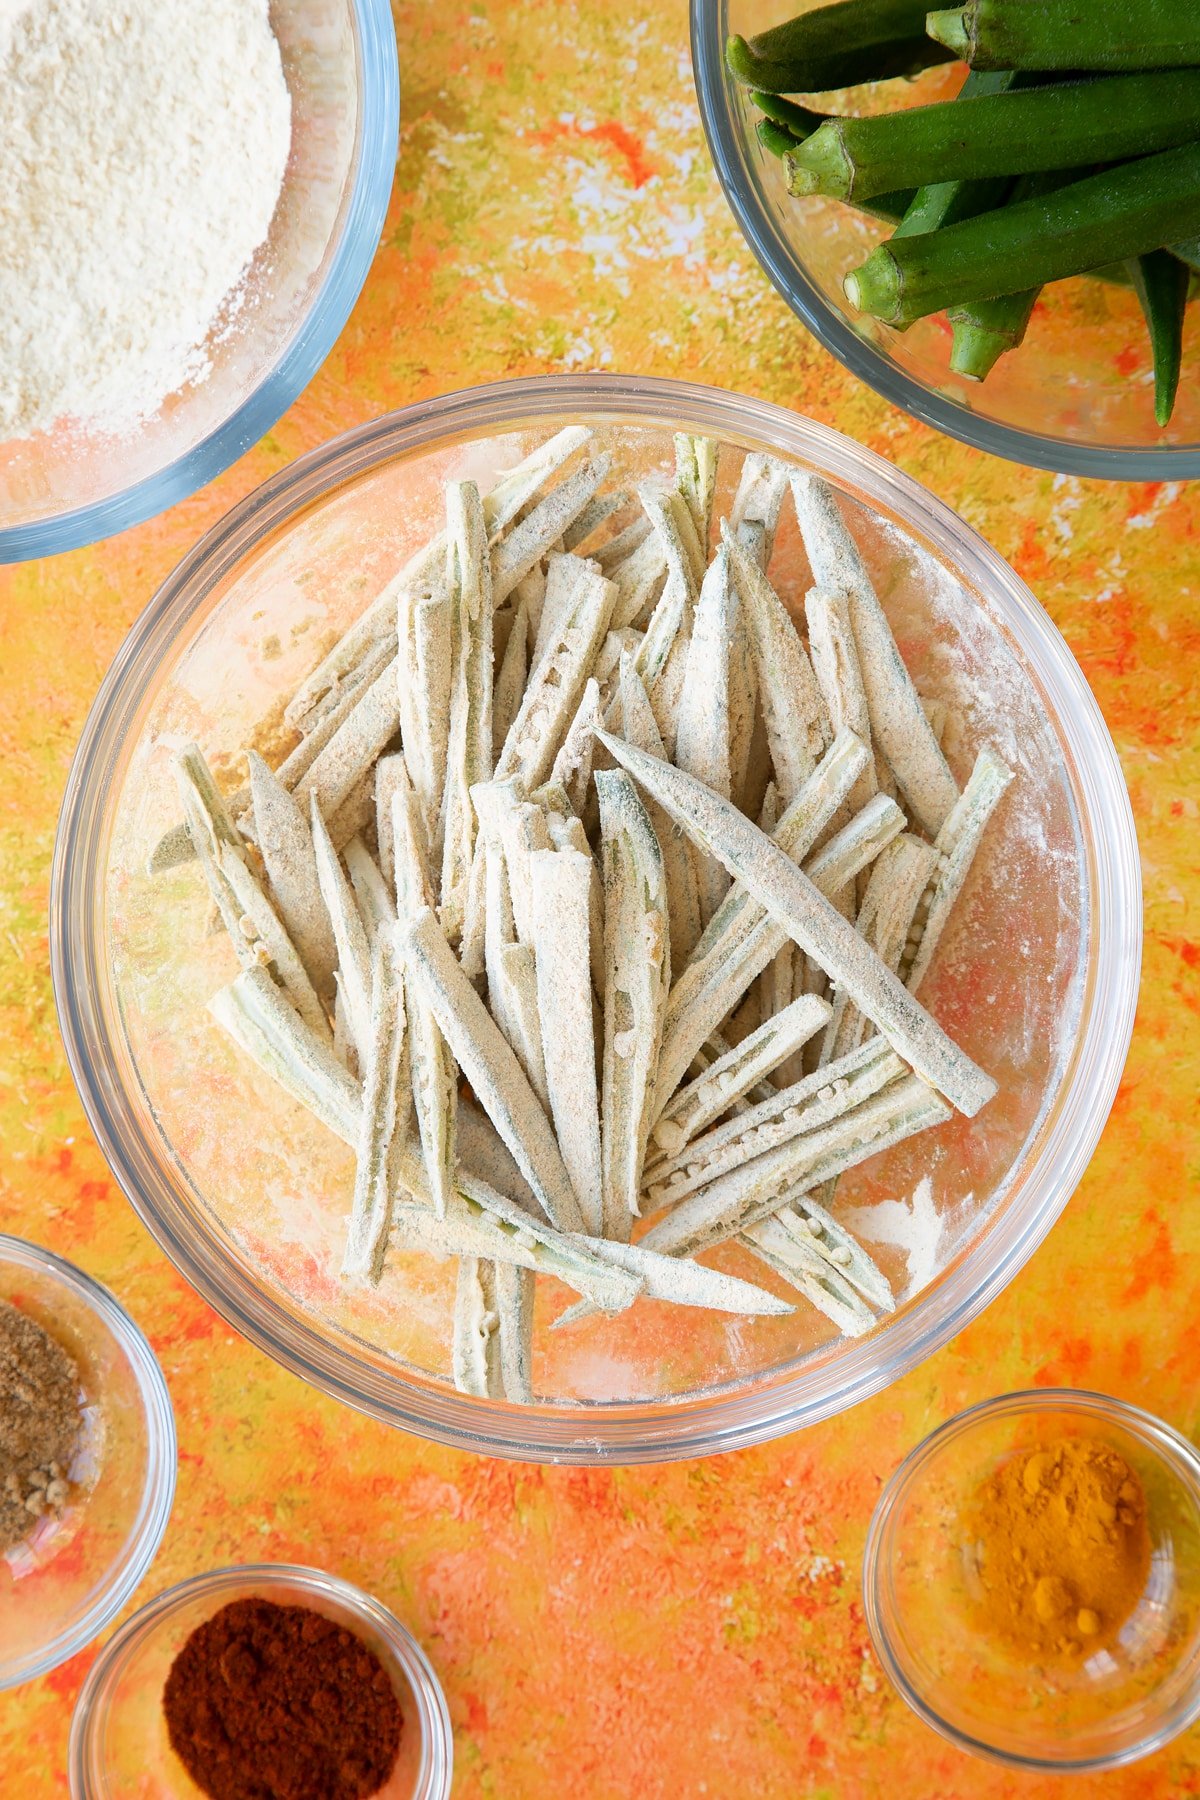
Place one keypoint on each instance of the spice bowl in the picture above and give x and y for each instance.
(119, 1746)
(62, 1585)
(67, 486)
(247, 1192)
(1122, 1701)
(1077, 397)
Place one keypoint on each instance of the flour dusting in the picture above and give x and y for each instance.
(914, 1227)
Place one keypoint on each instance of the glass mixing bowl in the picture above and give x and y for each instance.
(63, 1584)
(1078, 396)
(247, 1194)
(1127, 1699)
(119, 1747)
(64, 488)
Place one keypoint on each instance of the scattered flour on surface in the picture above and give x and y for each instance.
(914, 1227)
(143, 145)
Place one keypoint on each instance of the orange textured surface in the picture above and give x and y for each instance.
(695, 1629)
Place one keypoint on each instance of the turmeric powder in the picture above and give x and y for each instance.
(1061, 1549)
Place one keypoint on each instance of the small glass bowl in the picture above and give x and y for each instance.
(64, 1583)
(1077, 397)
(1128, 1699)
(119, 1746)
(63, 488)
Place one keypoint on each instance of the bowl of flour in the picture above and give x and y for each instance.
(190, 199)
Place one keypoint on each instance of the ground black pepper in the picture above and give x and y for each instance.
(270, 1702)
(40, 1422)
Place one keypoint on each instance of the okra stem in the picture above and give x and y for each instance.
(891, 208)
(1161, 282)
(836, 46)
(1063, 34)
(1122, 212)
(1067, 125)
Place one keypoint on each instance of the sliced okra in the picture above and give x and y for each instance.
(483, 1222)
(703, 736)
(518, 978)
(693, 1107)
(662, 658)
(899, 728)
(808, 1106)
(835, 663)
(802, 1269)
(556, 683)
(375, 903)
(956, 844)
(433, 1071)
(810, 921)
(384, 1109)
(511, 678)
(637, 725)
(514, 1311)
(899, 877)
(262, 930)
(210, 826)
(425, 684)
(758, 1189)
(638, 576)
(175, 846)
(490, 1065)
(354, 748)
(797, 720)
(391, 772)
(508, 494)
(572, 769)
(562, 890)
(349, 934)
(637, 974)
(809, 1223)
(533, 536)
(754, 516)
(596, 513)
(619, 548)
(475, 1335)
(469, 754)
(681, 1282)
(696, 479)
(564, 574)
(355, 814)
(270, 1031)
(741, 938)
(285, 841)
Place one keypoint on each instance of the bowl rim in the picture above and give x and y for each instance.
(376, 137)
(433, 1713)
(833, 333)
(1167, 1444)
(623, 1432)
(158, 1489)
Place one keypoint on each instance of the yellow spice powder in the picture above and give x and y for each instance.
(1062, 1549)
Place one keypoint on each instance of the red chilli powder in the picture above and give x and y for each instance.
(268, 1702)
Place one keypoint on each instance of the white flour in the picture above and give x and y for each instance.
(913, 1227)
(142, 149)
